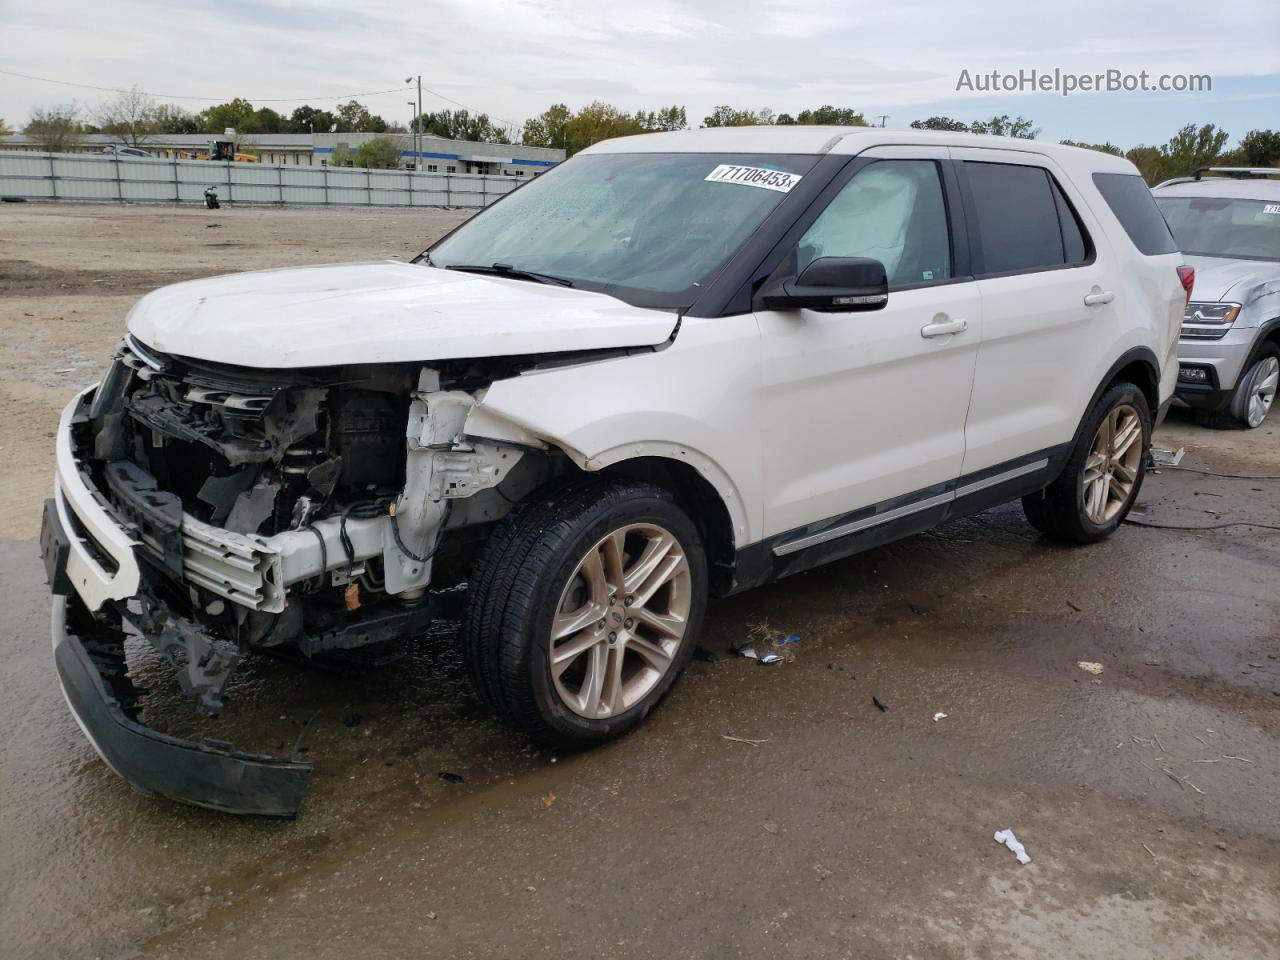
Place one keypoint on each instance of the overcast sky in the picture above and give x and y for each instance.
(512, 58)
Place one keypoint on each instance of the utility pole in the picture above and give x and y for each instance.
(417, 126)
(883, 117)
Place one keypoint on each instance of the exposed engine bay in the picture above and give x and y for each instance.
(309, 509)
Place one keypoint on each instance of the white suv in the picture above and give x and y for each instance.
(673, 368)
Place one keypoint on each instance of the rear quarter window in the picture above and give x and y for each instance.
(1129, 198)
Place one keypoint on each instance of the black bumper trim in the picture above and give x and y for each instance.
(201, 774)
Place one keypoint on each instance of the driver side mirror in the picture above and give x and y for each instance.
(830, 285)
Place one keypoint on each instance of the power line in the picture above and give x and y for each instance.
(176, 96)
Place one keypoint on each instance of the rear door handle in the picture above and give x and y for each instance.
(944, 328)
(1098, 299)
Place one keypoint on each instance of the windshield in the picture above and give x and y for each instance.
(649, 228)
(1223, 227)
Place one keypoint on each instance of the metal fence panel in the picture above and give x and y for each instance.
(104, 177)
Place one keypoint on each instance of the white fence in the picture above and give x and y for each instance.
(104, 178)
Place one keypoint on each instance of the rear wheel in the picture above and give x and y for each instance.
(584, 609)
(1102, 475)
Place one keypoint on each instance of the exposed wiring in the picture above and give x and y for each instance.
(1225, 476)
(324, 556)
(395, 532)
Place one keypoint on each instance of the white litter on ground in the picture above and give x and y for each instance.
(1009, 840)
(939, 716)
(1088, 666)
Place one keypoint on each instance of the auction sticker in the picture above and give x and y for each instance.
(778, 180)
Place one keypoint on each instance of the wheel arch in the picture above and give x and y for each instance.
(698, 497)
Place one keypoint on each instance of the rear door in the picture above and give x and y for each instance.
(865, 411)
(1048, 311)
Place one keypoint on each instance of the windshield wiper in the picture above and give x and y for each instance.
(507, 270)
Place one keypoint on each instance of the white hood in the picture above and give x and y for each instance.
(1219, 279)
(382, 313)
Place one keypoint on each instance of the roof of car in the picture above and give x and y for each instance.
(803, 138)
(1252, 188)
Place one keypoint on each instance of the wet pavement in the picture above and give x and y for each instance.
(1148, 796)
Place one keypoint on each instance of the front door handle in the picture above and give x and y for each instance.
(945, 328)
(1099, 298)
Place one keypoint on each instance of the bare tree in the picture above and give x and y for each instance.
(4, 128)
(132, 117)
(56, 129)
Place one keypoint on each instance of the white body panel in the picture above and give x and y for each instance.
(382, 313)
(860, 407)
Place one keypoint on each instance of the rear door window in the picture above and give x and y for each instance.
(1018, 225)
(1130, 200)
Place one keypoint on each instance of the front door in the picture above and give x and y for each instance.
(866, 411)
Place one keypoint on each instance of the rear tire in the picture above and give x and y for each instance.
(1103, 474)
(585, 607)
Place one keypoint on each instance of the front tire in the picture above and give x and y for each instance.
(585, 607)
(1103, 474)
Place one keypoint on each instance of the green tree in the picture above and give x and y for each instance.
(56, 129)
(173, 119)
(941, 123)
(354, 117)
(827, 115)
(1005, 126)
(547, 129)
(726, 116)
(5, 130)
(380, 153)
(785, 120)
(235, 115)
(1190, 148)
(462, 125)
(307, 119)
(341, 156)
(265, 120)
(1110, 148)
(1261, 148)
(1149, 161)
(595, 122)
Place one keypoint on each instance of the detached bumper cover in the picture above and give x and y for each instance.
(203, 774)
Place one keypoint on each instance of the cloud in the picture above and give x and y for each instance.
(513, 58)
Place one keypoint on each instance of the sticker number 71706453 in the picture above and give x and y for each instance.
(778, 180)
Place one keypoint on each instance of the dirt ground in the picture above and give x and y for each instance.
(1146, 795)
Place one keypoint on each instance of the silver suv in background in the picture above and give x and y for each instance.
(1228, 226)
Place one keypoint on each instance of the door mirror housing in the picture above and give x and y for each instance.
(830, 285)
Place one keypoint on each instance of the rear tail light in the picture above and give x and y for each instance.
(1188, 277)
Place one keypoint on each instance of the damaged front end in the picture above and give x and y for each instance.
(214, 510)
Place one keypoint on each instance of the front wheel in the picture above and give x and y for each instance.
(584, 609)
(1102, 475)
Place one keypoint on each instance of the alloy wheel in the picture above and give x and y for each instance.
(1265, 379)
(620, 621)
(1111, 468)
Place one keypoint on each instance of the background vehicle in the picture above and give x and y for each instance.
(1228, 225)
(675, 367)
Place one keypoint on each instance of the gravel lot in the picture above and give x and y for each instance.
(1146, 795)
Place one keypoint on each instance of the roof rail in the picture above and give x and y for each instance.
(1238, 173)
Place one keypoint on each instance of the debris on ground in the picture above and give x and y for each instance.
(1009, 840)
(549, 799)
(1164, 457)
(730, 737)
(792, 638)
(771, 828)
(1074, 607)
(771, 658)
(448, 777)
(879, 706)
(1088, 666)
(939, 716)
(745, 649)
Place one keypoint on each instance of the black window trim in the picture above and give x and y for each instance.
(975, 233)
